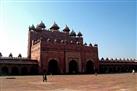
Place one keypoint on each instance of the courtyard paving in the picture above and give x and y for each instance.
(101, 82)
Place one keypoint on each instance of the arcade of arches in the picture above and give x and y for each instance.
(119, 68)
(89, 68)
(18, 70)
(54, 67)
(73, 67)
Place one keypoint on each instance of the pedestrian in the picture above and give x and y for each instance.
(133, 72)
(44, 76)
(96, 72)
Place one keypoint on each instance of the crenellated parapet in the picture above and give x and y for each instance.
(54, 28)
(54, 36)
(17, 60)
(12, 57)
(117, 60)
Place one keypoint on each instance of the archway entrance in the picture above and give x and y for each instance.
(89, 67)
(73, 67)
(53, 67)
(24, 71)
(34, 70)
(14, 71)
(5, 70)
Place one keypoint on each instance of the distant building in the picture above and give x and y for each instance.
(117, 65)
(61, 52)
(17, 65)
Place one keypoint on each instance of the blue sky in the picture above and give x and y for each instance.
(109, 23)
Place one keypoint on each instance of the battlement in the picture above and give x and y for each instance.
(54, 29)
(61, 41)
(117, 60)
(13, 58)
(17, 60)
(55, 37)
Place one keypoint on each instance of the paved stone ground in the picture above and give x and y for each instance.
(104, 82)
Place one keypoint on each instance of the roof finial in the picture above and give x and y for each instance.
(66, 29)
(79, 34)
(42, 25)
(54, 27)
(72, 33)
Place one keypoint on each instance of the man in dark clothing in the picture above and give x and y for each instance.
(44, 76)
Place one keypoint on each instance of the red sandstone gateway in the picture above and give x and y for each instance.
(61, 51)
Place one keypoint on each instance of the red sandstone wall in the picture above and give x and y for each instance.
(72, 48)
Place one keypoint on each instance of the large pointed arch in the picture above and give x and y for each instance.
(73, 67)
(14, 71)
(53, 67)
(89, 67)
(34, 70)
(24, 71)
(5, 70)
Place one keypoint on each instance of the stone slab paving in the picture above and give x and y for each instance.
(103, 82)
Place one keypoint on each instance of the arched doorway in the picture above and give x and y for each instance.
(89, 67)
(53, 67)
(14, 71)
(5, 70)
(24, 71)
(73, 67)
(34, 70)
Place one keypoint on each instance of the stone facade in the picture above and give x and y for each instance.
(117, 65)
(18, 66)
(61, 51)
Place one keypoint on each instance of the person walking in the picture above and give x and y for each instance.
(44, 76)
(133, 72)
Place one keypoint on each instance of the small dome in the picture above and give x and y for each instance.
(90, 44)
(72, 33)
(102, 59)
(32, 27)
(66, 29)
(107, 59)
(79, 34)
(54, 26)
(0, 54)
(85, 44)
(19, 55)
(95, 45)
(111, 59)
(10, 55)
(42, 25)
